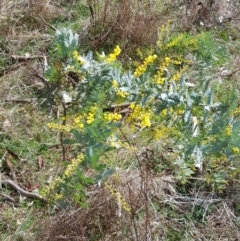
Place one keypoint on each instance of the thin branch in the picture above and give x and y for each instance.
(21, 190)
(8, 197)
(47, 24)
(23, 58)
(232, 73)
(61, 133)
(129, 143)
(42, 78)
(28, 101)
(11, 68)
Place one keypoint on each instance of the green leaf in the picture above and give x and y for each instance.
(78, 135)
(68, 141)
(106, 173)
(89, 152)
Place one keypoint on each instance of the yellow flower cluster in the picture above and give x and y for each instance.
(143, 67)
(170, 110)
(235, 150)
(111, 117)
(182, 41)
(118, 197)
(115, 84)
(177, 61)
(72, 167)
(59, 127)
(91, 115)
(90, 118)
(236, 112)
(140, 115)
(112, 141)
(161, 34)
(70, 68)
(78, 122)
(215, 162)
(176, 77)
(160, 76)
(113, 56)
(228, 130)
(164, 112)
(121, 93)
(164, 33)
(213, 138)
(176, 41)
(180, 112)
(162, 132)
(47, 192)
(210, 139)
(60, 180)
(78, 57)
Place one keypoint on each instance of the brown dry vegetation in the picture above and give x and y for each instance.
(159, 210)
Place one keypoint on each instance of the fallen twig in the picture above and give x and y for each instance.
(14, 155)
(9, 69)
(23, 58)
(10, 166)
(23, 192)
(116, 106)
(49, 25)
(29, 101)
(232, 73)
(185, 199)
(8, 197)
(42, 78)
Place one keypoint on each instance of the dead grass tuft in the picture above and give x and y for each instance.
(208, 14)
(105, 218)
(158, 212)
(24, 16)
(128, 23)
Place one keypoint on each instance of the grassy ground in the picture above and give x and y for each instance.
(30, 153)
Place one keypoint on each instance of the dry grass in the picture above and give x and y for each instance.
(24, 135)
(105, 219)
(128, 23)
(158, 212)
(208, 14)
(23, 132)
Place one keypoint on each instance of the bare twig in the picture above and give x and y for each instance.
(114, 106)
(232, 73)
(14, 155)
(133, 213)
(8, 197)
(12, 68)
(125, 137)
(231, 219)
(23, 192)
(3, 157)
(185, 199)
(23, 58)
(61, 133)
(42, 78)
(28, 101)
(47, 24)
(10, 166)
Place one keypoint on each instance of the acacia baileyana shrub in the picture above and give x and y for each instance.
(160, 103)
